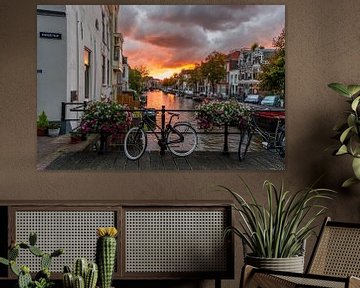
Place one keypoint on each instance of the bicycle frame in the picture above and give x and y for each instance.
(163, 132)
(270, 138)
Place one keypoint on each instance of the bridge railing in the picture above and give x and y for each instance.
(225, 131)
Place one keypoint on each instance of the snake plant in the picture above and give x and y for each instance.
(279, 228)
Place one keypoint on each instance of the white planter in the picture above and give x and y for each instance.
(54, 132)
(291, 264)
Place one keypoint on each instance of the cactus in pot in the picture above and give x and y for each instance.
(85, 275)
(106, 254)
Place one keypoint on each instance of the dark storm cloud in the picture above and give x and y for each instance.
(175, 35)
(209, 17)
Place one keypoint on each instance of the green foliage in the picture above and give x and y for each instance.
(43, 283)
(279, 229)
(196, 77)
(218, 113)
(349, 131)
(214, 68)
(54, 125)
(42, 121)
(137, 78)
(42, 278)
(272, 77)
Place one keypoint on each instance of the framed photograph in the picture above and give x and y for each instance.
(161, 87)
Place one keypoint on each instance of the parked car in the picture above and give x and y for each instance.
(271, 100)
(253, 99)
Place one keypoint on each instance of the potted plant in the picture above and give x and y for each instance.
(218, 113)
(349, 132)
(54, 129)
(75, 136)
(42, 124)
(106, 118)
(275, 234)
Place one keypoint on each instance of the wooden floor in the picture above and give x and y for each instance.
(198, 160)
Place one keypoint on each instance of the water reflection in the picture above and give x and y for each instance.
(156, 99)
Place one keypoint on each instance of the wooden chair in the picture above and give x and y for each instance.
(335, 262)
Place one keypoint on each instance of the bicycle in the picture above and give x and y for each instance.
(271, 140)
(181, 138)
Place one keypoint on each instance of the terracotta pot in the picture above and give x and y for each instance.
(42, 131)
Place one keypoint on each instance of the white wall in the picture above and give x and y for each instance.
(62, 62)
(51, 61)
(83, 33)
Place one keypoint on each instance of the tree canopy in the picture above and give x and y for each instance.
(214, 68)
(272, 77)
(137, 77)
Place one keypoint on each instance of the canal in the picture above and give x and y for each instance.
(207, 142)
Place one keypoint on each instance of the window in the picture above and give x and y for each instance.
(103, 27)
(116, 54)
(86, 59)
(108, 73)
(97, 24)
(103, 70)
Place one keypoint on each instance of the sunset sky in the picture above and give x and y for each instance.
(166, 39)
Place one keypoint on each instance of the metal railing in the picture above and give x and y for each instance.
(80, 107)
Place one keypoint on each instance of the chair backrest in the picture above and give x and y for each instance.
(337, 251)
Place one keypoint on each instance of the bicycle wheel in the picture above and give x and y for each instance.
(135, 143)
(182, 140)
(244, 144)
(281, 143)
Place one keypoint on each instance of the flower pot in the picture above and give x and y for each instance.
(75, 138)
(42, 131)
(54, 132)
(291, 264)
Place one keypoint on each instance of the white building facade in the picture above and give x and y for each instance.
(250, 62)
(79, 55)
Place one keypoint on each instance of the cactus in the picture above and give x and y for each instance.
(24, 278)
(80, 267)
(105, 254)
(45, 261)
(79, 282)
(32, 239)
(68, 280)
(91, 276)
(13, 253)
(88, 273)
(36, 251)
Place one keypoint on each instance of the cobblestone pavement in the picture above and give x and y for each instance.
(59, 154)
(50, 148)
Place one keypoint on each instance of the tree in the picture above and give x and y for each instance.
(137, 77)
(272, 77)
(195, 77)
(214, 68)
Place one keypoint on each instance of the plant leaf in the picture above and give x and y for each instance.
(340, 88)
(349, 182)
(342, 150)
(355, 103)
(353, 90)
(356, 167)
(345, 134)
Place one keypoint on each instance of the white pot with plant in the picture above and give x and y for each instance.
(275, 234)
(53, 129)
